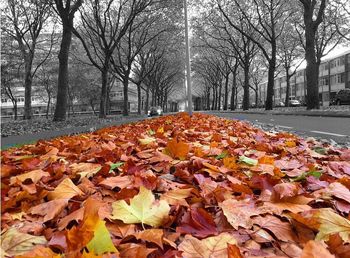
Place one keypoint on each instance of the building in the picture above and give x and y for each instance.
(334, 75)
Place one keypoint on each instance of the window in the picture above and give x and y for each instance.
(3, 100)
(333, 79)
(342, 60)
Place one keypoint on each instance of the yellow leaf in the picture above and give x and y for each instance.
(34, 175)
(85, 169)
(290, 143)
(177, 196)
(147, 140)
(332, 223)
(206, 248)
(178, 149)
(65, 190)
(14, 242)
(142, 209)
(101, 242)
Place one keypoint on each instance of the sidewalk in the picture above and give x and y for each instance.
(336, 111)
(17, 140)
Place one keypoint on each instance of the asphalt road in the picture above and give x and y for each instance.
(330, 128)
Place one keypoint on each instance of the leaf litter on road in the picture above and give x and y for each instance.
(176, 186)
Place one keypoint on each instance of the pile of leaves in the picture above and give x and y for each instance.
(176, 186)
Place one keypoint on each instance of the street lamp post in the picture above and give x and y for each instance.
(188, 62)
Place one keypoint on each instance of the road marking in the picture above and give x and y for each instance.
(334, 134)
(283, 126)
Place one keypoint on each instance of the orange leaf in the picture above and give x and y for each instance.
(151, 235)
(315, 249)
(233, 251)
(50, 209)
(65, 190)
(178, 149)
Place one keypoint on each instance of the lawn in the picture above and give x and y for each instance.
(176, 186)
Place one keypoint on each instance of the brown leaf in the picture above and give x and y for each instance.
(151, 235)
(50, 209)
(65, 190)
(315, 249)
(177, 196)
(34, 176)
(209, 247)
(282, 230)
(117, 181)
(197, 222)
(178, 149)
(233, 251)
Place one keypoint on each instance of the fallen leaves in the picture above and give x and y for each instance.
(142, 209)
(14, 242)
(206, 248)
(176, 186)
(65, 190)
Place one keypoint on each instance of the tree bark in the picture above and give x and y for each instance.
(147, 100)
(139, 99)
(234, 87)
(271, 78)
(28, 86)
(62, 85)
(126, 96)
(226, 92)
(48, 107)
(288, 88)
(103, 100)
(246, 88)
(312, 100)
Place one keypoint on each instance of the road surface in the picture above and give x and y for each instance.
(335, 128)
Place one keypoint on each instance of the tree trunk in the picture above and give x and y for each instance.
(256, 96)
(234, 87)
(208, 101)
(246, 88)
(126, 95)
(28, 87)
(139, 98)
(15, 109)
(48, 107)
(220, 96)
(62, 85)
(213, 101)
(288, 88)
(147, 100)
(312, 100)
(103, 100)
(226, 92)
(271, 80)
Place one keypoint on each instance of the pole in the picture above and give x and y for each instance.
(188, 62)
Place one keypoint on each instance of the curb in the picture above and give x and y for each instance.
(313, 113)
(19, 140)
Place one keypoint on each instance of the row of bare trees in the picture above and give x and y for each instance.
(135, 41)
(241, 42)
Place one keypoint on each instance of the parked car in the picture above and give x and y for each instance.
(342, 97)
(155, 111)
(294, 103)
(280, 104)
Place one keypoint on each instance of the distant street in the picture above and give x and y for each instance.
(335, 128)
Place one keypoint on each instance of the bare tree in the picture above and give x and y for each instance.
(267, 18)
(313, 12)
(103, 25)
(66, 10)
(24, 23)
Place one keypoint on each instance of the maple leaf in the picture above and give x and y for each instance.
(178, 149)
(177, 196)
(50, 209)
(238, 213)
(40, 252)
(14, 242)
(282, 230)
(34, 175)
(101, 242)
(206, 248)
(286, 190)
(315, 249)
(197, 222)
(142, 209)
(233, 251)
(85, 169)
(331, 223)
(338, 190)
(151, 235)
(249, 161)
(65, 190)
(117, 181)
(147, 140)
